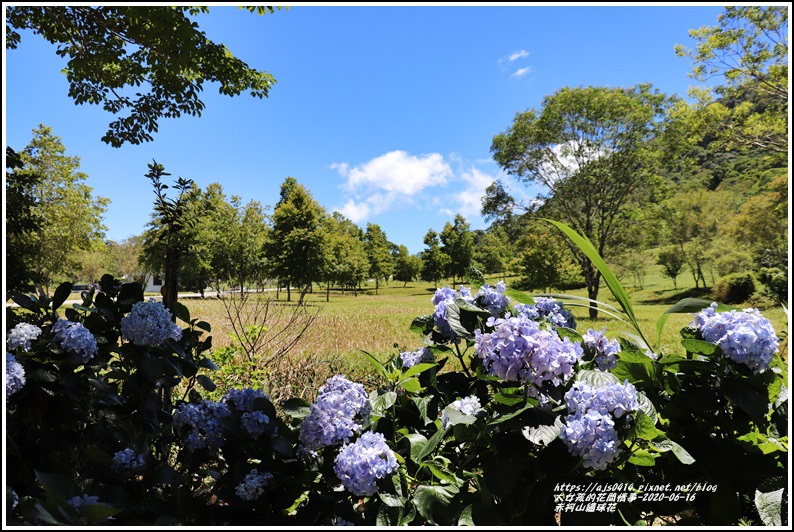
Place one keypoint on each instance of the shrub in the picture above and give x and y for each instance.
(775, 281)
(734, 288)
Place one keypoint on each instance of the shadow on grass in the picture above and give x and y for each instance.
(671, 296)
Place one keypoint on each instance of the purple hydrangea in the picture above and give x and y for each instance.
(359, 465)
(519, 350)
(592, 436)
(243, 399)
(338, 413)
(465, 294)
(149, 324)
(605, 350)
(253, 485)
(21, 336)
(445, 294)
(204, 423)
(548, 309)
(15, 375)
(74, 338)
(468, 405)
(492, 299)
(127, 461)
(78, 501)
(615, 399)
(412, 358)
(745, 336)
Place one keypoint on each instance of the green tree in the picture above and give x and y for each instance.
(381, 262)
(672, 262)
(593, 149)
(22, 221)
(126, 260)
(298, 251)
(70, 216)
(406, 266)
(458, 243)
(434, 260)
(139, 63)
(349, 264)
(749, 47)
(493, 250)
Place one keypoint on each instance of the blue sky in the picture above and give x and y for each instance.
(385, 113)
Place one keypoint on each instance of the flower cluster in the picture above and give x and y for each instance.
(468, 405)
(253, 485)
(127, 461)
(22, 335)
(442, 298)
(253, 421)
(15, 375)
(73, 338)
(744, 336)
(78, 501)
(204, 421)
(359, 465)
(605, 350)
(412, 358)
(548, 309)
(519, 350)
(149, 324)
(338, 413)
(492, 299)
(589, 430)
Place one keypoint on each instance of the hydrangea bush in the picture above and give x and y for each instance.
(499, 408)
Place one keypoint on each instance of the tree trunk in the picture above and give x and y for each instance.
(289, 293)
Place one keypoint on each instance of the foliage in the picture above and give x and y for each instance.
(138, 439)
(434, 260)
(734, 288)
(672, 262)
(349, 264)
(21, 222)
(381, 261)
(139, 63)
(406, 266)
(457, 243)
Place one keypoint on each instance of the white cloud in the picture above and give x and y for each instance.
(521, 72)
(356, 212)
(342, 168)
(398, 172)
(515, 55)
(469, 200)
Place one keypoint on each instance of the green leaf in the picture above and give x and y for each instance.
(596, 378)
(747, 397)
(456, 417)
(453, 318)
(58, 486)
(95, 513)
(204, 326)
(642, 458)
(465, 518)
(434, 503)
(689, 305)
(377, 365)
(296, 407)
(509, 398)
(511, 415)
(417, 443)
(769, 501)
(382, 402)
(208, 364)
(391, 500)
(129, 294)
(647, 407)
(422, 404)
(431, 445)
(417, 369)
(645, 428)
(422, 325)
(544, 434)
(181, 312)
(206, 383)
(410, 385)
(664, 445)
(25, 302)
(62, 293)
(699, 347)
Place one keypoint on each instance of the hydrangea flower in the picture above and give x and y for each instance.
(412, 358)
(127, 461)
(547, 308)
(253, 485)
(519, 350)
(492, 299)
(338, 521)
(359, 465)
(204, 420)
(78, 501)
(15, 375)
(21, 336)
(468, 405)
(592, 436)
(243, 399)
(744, 336)
(445, 294)
(338, 413)
(465, 294)
(614, 399)
(253, 421)
(149, 324)
(605, 350)
(74, 338)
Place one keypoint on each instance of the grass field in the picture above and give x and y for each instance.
(374, 323)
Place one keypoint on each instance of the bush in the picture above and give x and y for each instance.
(775, 283)
(734, 288)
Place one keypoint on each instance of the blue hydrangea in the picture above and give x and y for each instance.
(243, 399)
(468, 405)
(338, 413)
(614, 399)
(127, 461)
(253, 485)
(492, 299)
(519, 350)
(605, 350)
(149, 324)
(465, 294)
(412, 358)
(338, 521)
(21, 336)
(78, 501)
(204, 423)
(257, 423)
(592, 436)
(445, 294)
(360, 464)
(548, 309)
(15, 375)
(745, 336)
(75, 339)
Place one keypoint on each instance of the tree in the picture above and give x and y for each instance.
(593, 149)
(493, 250)
(458, 243)
(299, 249)
(749, 47)
(406, 266)
(672, 263)
(126, 260)
(115, 51)
(349, 264)
(434, 260)
(381, 262)
(70, 216)
(22, 221)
